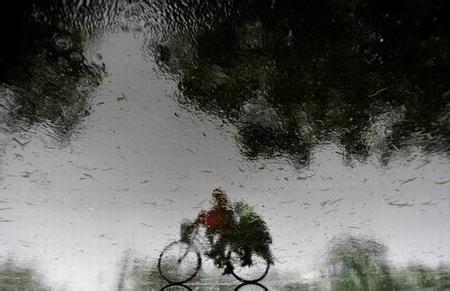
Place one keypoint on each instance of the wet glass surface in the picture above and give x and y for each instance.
(327, 123)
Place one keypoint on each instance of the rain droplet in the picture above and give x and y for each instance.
(62, 42)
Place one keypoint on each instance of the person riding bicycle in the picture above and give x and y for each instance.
(220, 224)
(235, 225)
(221, 216)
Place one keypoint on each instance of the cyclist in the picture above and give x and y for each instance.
(220, 223)
(237, 225)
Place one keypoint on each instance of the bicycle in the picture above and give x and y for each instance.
(180, 261)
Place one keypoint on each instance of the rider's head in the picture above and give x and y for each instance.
(218, 193)
(220, 197)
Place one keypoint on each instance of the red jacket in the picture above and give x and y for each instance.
(218, 219)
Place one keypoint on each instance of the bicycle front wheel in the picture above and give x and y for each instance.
(179, 263)
(252, 273)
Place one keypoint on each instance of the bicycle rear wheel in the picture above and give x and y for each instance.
(251, 273)
(179, 263)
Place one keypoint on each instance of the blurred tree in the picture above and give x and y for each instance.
(14, 277)
(44, 74)
(292, 75)
(359, 263)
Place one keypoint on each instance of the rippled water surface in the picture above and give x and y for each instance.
(330, 119)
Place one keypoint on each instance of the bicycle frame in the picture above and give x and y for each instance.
(190, 242)
(194, 243)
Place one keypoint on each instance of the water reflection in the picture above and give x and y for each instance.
(171, 286)
(167, 99)
(14, 276)
(353, 263)
(140, 274)
(361, 263)
(48, 83)
(253, 286)
(238, 241)
(291, 78)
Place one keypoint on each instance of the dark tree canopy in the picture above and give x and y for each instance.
(371, 76)
(294, 74)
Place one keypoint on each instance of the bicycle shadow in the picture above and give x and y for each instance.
(251, 284)
(235, 289)
(176, 285)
